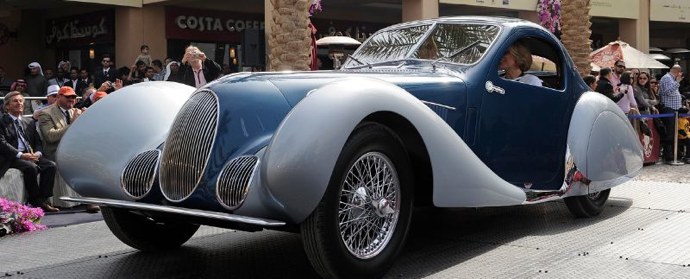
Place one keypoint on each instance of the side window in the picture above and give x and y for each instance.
(546, 63)
(533, 61)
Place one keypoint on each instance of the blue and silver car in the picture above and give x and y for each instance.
(419, 115)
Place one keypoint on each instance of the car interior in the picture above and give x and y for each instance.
(546, 62)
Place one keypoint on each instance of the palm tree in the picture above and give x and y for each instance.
(575, 32)
(289, 39)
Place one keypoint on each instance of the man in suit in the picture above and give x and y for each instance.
(197, 70)
(21, 148)
(54, 122)
(104, 73)
(75, 82)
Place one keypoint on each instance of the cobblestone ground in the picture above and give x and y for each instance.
(665, 173)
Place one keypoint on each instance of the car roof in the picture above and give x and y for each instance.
(504, 21)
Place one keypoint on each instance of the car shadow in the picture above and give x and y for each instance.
(442, 238)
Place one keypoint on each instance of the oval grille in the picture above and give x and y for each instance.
(188, 146)
(233, 183)
(139, 174)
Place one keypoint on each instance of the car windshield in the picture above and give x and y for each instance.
(461, 43)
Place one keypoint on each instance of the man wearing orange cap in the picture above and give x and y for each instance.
(56, 119)
(20, 148)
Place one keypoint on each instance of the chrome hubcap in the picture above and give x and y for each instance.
(369, 205)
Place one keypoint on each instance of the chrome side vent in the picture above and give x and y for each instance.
(139, 174)
(441, 110)
(188, 146)
(233, 182)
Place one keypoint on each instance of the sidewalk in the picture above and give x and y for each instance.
(70, 216)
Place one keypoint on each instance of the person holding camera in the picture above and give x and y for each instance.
(671, 102)
(197, 70)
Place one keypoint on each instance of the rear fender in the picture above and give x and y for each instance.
(603, 143)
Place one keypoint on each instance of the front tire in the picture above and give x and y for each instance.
(589, 205)
(145, 234)
(361, 223)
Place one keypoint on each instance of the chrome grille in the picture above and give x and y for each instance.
(139, 174)
(233, 183)
(188, 146)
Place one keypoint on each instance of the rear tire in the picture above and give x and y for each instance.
(360, 225)
(145, 234)
(589, 205)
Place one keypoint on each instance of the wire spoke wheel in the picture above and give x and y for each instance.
(360, 224)
(369, 205)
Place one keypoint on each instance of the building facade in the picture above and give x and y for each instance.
(234, 32)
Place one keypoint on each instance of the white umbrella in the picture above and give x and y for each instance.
(337, 40)
(677, 50)
(619, 50)
(660, 57)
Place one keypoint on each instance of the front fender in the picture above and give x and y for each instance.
(604, 146)
(95, 149)
(299, 161)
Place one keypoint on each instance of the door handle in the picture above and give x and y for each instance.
(491, 88)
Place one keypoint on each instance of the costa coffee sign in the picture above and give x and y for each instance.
(95, 27)
(190, 24)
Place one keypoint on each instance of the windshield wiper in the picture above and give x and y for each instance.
(458, 52)
(357, 60)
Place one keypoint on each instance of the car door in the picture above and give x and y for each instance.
(522, 129)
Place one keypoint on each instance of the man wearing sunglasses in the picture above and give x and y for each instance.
(618, 69)
(105, 72)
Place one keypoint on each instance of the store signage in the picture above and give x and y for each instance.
(669, 10)
(209, 25)
(216, 24)
(74, 30)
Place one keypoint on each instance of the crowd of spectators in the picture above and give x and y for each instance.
(638, 93)
(64, 93)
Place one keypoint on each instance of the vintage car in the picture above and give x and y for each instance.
(419, 115)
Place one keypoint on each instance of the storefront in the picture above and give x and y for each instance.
(230, 38)
(82, 39)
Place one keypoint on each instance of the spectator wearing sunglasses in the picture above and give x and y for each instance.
(618, 69)
(105, 72)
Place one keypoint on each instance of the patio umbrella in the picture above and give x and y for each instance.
(660, 57)
(607, 56)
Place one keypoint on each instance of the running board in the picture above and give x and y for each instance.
(177, 210)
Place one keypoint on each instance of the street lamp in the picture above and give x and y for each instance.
(336, 47)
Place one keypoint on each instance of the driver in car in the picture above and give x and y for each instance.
(515, 62)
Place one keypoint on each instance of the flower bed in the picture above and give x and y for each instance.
(16, 217)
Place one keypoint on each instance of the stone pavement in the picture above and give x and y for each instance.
(665, 173)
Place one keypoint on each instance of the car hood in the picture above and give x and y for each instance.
(294, 86)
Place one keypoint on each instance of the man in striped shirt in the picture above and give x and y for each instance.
(672, 102)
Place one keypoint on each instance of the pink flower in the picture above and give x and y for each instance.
(20, 217)
(550, 14)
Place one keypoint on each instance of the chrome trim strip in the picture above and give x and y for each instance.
(439, 105)
(177, 210)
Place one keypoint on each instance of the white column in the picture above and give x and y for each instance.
(636, 31)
